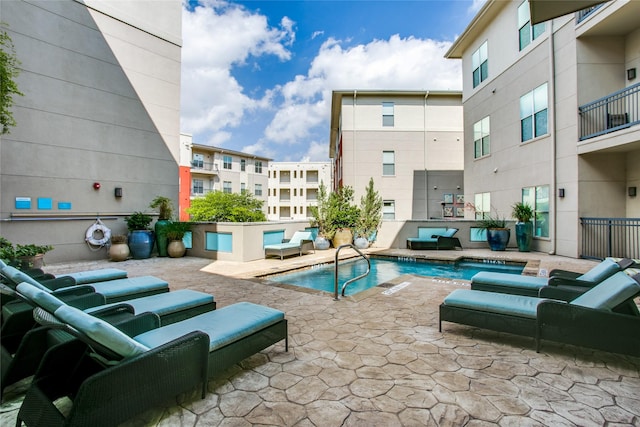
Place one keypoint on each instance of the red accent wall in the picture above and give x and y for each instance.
(184, 192)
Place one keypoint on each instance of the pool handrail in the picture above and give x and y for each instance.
(335, 269)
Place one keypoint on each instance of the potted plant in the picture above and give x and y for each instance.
(141, 238)
(524, 227)
(175, 233)
(23, 256)
(370, 217)
(342, 216)
(319, 218)
(165, 212)
(119, 249)
(497, 232)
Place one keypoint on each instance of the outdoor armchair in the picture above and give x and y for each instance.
(300, 242)
(589, 320)
(139, 365)
(575, 283)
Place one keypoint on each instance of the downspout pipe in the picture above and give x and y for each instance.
(552, 126)
(424, 156)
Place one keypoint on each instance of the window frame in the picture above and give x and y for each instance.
(386, 165)
(538, 197)
(388, 114)
(243, 165)
(194, 186)
(388, 209)
(257, 166)
(524, 23)
(482, 137)
(482, 205)
(197, 161)
(529, 103)
(257, 190)
(480, 64)
(227, 162)
(227, 187)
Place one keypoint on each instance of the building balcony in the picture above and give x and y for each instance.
(201, 193)
(204, 168)
(614, 112)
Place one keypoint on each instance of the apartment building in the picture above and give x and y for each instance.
(204, 168)
(409, 142)
(551, 118)
(97, 131)
(293, 187)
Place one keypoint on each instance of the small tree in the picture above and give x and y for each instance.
(8, 88)
(370, 212)
(319, 212)
(218, 206)
(341, 212)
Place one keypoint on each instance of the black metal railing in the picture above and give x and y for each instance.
(204, 166)
(616, 111)
(582, 14)
(610, 237)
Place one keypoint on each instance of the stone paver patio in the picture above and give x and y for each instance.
(378, 359)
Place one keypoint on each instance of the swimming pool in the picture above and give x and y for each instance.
(384, 269)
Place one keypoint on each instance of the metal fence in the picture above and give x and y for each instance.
(616, 111)
(610, 237)
(581, 15)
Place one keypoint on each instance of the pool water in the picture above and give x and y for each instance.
(385, 269)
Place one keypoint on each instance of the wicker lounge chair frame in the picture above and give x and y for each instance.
(441, 242)
(106, 395)
(283, 249)
(561, 322)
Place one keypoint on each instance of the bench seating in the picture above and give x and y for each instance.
(300, 242)
(590, 320)
(144, 368)
(434, 238)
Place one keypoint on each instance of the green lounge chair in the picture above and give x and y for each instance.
(140, 365)
(300, 242)
(568, 284)
(590, 320)
(20, 356)
(434, 238)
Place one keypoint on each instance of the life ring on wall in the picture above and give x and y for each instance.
(90, 234)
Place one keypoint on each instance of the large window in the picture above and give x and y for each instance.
(538, 199)
(243, 165)
(243, 187)
(226, 162)
(198, 161)
(480, 64)
(481, 138)
(388, 163)
(533, 113)
(526, 32)
(258, 166)
(258, 190)
(482, 204)
(387, 114)
(197, 186)
(226, 186)
(388, 209)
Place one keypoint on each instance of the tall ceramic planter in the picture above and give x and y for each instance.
(342, 237)
(498, 238)
(141, 243)
(524, 235)
(161, 236)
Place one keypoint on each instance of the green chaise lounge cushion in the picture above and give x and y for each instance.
(163, 304)
(40, 297)
(610, 293)
(92, 276)
(491, 302)
(100, 331)
(224, 326)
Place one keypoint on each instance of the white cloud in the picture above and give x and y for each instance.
(216, 36)
(397, 63)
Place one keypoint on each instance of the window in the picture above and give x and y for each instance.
(198, 161)
(388, 163)
(387, 114)
(243, 187)
(480, 64)
(482, 204)
(258, 190)
(388, 209)
(538, 199)
(226, 162)
(258, 166)
(533, 113)
(226, 186)
(197, 186)
(243, 165)
(526, 32)
(481, 138)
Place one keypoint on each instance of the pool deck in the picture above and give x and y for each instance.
(378, 359)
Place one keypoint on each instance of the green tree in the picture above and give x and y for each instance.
(341, 212)
(218, 206)
(319, 212)
(8, 88)
(370, 212)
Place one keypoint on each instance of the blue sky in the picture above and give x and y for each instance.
(257, 75)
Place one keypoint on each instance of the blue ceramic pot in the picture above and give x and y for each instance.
(498, 238)
(141, 243)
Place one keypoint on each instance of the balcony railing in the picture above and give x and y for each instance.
(202, 166)
(611, 113)
(615, 237)
(581, 15)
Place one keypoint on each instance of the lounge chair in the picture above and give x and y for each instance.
(122, 376)
(434, 238)
(300, 242)
(589, 320)
(567, 284)
(21, 354)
